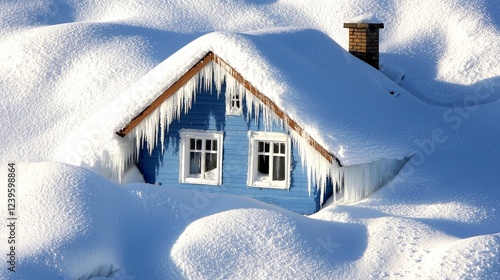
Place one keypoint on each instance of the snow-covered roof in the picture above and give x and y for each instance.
(340, 102)
(234, 82)
(308, 75)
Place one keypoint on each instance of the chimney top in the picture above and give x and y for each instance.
(364, 25)
(364, 39)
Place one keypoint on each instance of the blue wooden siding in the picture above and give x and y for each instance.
(208, 113)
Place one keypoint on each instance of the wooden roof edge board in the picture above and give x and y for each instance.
(210, 56)
(166, 94)
(268, 102)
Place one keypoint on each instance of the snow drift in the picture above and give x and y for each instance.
(73, 222)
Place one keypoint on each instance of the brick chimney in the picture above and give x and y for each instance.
(364, 41)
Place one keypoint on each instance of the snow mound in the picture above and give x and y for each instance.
(471, 258)
(265, 244)
(73, 223)
(50, 82)
(67, 221)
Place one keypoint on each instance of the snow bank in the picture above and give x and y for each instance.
(283, 246)
(73, 223)
(68, 220)
(50, 82)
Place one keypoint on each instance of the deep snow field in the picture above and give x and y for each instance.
(62, 61)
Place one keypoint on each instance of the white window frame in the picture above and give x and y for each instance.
(252, 177)
(233, 110)
(184, 156)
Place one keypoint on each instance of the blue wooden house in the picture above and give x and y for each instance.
(213, 130)
(217, 146)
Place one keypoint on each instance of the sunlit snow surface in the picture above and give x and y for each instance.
(61, 62)
(73, 222)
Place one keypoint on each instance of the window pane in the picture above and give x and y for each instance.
(282, 148)
(192, 144)
(214, 145)
(234, 101)
(194, 163)
(210, 161)
(261, 146)
(276, 148)
(263, 164)
(208, 145)
(278, 168)
(198, 144)
(266, 147)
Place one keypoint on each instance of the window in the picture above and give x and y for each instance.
(234, 104)
(269, 160)
(201, 157)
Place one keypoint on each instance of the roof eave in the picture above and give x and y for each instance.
(210, 56)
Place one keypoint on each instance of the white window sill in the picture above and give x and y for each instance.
(200, 181)
(234, 113)
(268, 185)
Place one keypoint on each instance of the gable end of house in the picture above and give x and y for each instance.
(212, 57)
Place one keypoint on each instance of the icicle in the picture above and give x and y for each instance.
(252, 107)
(152, 129)
(363, 180)
(117, 156)
(318, 168)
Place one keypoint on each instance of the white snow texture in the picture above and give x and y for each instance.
(72, 73)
